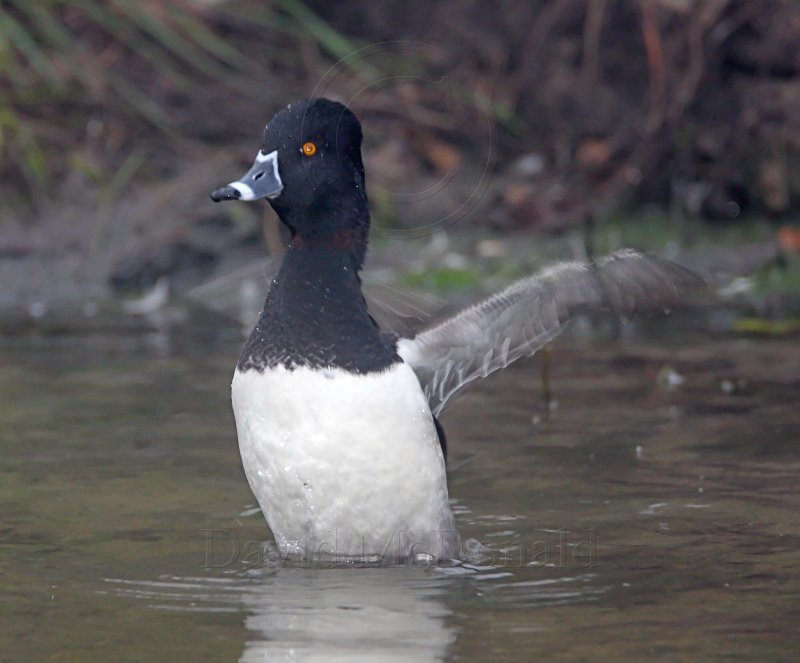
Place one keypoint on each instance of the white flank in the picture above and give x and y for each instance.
(408, 351)
(343, 464)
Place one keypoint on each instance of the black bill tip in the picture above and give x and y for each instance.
(225, 193)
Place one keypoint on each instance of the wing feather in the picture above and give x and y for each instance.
(531, 312)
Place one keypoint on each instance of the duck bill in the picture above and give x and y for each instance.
(262, 181)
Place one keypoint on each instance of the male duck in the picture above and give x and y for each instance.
(336, 420)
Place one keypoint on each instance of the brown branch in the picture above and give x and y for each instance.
(272, 234)
(592, 30)
(655, 66)
(694, 74)
(534, 44)
(627, 174)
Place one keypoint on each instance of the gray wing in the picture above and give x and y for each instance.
(397, 311)
(519, 320)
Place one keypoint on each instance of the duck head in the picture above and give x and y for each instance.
(309, 168)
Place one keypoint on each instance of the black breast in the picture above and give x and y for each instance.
(315, 315)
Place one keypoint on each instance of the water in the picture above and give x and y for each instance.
(653, 513)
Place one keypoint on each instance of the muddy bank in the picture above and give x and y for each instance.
(221, 272)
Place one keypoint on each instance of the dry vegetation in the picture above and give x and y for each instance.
(117, 115)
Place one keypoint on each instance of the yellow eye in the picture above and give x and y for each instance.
(308, 149)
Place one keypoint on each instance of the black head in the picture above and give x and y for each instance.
(309, 168)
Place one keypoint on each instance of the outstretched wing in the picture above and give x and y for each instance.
(519, 320)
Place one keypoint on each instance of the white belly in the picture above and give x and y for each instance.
(343, 464)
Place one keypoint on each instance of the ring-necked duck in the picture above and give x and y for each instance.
(335, 419)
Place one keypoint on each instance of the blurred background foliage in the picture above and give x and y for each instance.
(117, 116)
(87, 86)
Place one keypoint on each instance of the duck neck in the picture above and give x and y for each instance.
(315, 314)
(336, 222)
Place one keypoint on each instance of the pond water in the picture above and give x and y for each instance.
(651, 511)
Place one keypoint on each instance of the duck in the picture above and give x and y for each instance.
(336, 419)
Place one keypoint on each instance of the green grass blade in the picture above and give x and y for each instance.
(207, 40)
(169, 39)
(21, 39)
(142, 103)
(332, 41)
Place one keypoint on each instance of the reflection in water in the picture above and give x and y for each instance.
(327, 614)
(398, 613)
(380, 614)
